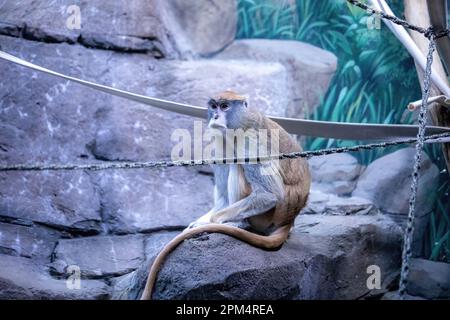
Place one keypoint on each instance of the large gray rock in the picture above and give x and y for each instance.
(137, 132)
(393, 295)
(161, 28)
(330, 204)
(156, 199)
(44, 125)
(21, 278)
(195, 25)
(387, 181)
(154, 243)
(52, 128)
(100, 256)
(64, 200)
(310, 69)
(28, 241)
(429, 279)
(335, 173)
(325, 257)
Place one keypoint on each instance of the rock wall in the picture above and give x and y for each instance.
(110, 224)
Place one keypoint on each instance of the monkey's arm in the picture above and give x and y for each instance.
(220, 195)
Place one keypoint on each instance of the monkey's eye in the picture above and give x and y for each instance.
(213, 106)
(224, 106)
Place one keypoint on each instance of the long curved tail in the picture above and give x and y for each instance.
(272, 241)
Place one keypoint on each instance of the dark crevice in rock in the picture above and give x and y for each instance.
(18, 221)
(119, 43)
(10, 252)
(159, 229)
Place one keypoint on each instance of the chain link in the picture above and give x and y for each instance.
(179, 163)
(430, 33)
(407, 242)
(427, 32)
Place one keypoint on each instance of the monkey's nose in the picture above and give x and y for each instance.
(216, 116)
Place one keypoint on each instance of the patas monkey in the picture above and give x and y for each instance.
(268, 201)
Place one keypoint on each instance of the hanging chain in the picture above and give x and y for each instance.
(407, 242)
(180, 163)
(430, 33)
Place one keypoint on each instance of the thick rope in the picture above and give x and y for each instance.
(430, 33)
(179, 163)
(427, 32)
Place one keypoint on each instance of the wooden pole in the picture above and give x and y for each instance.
(417, 13)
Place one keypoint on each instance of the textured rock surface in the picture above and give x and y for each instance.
(330, 204)
(149, 200)
(20, 278)
(429, 279)
(162, 28)
(109, 222)
(303, 62)
(29, 241)
(335, 173)
(100, 256)
(387, 181)
(325, 257)
(66, 200)
(196, 27)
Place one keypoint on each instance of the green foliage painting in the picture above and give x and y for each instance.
(374, 81)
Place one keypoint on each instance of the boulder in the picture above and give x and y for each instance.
(28, 241)
(429, 279)
(393, 295)
(326, 257)
(157, 240)
(335, 173)
(63, 200)
(330, 204)
(154, 243)
(387, 181)
(160, 28)
(21, 278)
(310, 69)
(43, 125)
(195, 25)
(156, 199)
(129, 131)
(100, 256)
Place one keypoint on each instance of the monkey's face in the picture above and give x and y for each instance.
(226, 114)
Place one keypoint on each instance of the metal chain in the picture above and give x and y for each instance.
(430, 33)
(407, 242)
(427, 32)
(169, 163)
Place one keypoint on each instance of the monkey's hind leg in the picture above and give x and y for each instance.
(256, 203)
